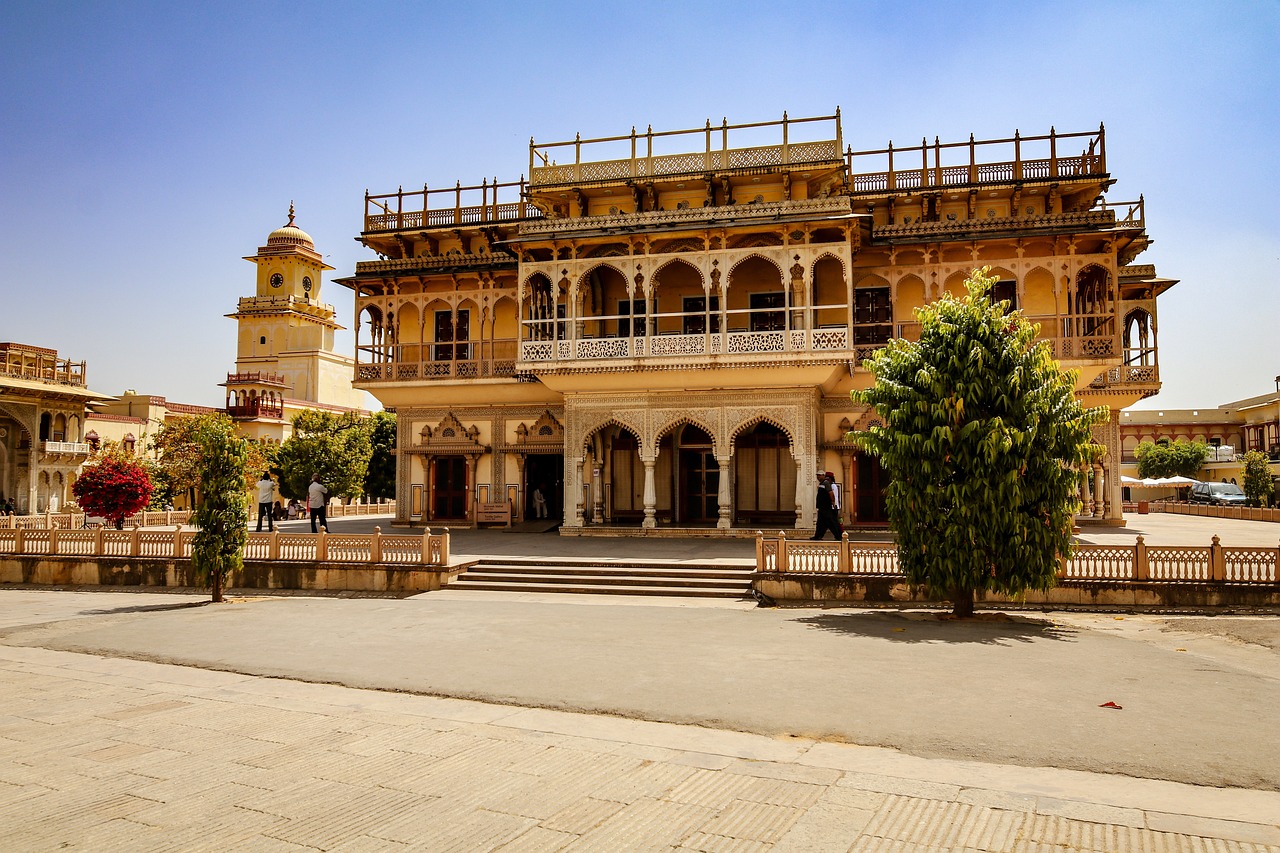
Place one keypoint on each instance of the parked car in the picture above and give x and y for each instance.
(1222, 494)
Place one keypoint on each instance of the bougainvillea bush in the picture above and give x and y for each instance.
(114, 488)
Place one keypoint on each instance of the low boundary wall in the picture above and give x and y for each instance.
(1130, 576)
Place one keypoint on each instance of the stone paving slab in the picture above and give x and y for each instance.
(161, 761)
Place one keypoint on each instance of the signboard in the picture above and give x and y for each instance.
(493, 513)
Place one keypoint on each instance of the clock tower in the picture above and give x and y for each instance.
(285, 361)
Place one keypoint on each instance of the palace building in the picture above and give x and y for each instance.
(660, 329)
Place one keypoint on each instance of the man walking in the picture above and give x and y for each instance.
(828, 517)
(318, 503)
(266, 493)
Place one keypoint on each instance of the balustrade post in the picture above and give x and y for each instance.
(20, 540)
(444, 547)
(891, 181)
(937, 164)
(1141, 566)
(1017, 156)
(973, 161)
(426, 546)
(1217, 563)
(48, 519)
(322, 545)
(98, 547)
(844, 563)
(786, 149)
(273, 545)
(924, 162)
(1053, 153)
(135, 544)
(53, 540)
(759, 538)
(782, 551)
(177, 541)
(375, 546)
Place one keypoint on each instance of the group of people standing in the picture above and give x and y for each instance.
(269, 508)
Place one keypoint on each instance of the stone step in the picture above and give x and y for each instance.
(580, 587)
(559, 568)
(604, 579)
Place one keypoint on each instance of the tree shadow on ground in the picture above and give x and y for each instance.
(931, 627)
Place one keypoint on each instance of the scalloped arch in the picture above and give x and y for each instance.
(740, 261)
(677, 420)
(753, 421)
(611, 420)
(681, 261)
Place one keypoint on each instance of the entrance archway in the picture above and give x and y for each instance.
(872, 480)
(544, 471)
(764, 477)
(695, 482)
(449, 487)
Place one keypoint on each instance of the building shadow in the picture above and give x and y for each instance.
(987, 627)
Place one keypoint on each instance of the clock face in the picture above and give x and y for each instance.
(276, 279)
(306, 283)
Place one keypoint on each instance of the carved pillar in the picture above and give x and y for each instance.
(472, 486)
(725, 510)
(597, 491)
(573, 492)
(1085, 499)
(1098, 495)
(33, 478)
(804, 509)
(650, 494)
(846, 499)
(524, 487)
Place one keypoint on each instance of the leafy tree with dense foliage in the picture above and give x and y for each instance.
(380, 482)
(1182, 458)
(179, 445)
(115, 486)
(337, 447)
(1255, 478)
(222, 518)
(982, 437)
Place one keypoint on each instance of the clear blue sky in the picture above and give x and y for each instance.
(145, 148)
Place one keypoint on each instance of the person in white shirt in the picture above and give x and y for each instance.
(317, 502)
(266, 493)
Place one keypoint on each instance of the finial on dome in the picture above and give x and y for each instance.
(291, 211)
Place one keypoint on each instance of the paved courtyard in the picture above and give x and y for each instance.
(153, 721)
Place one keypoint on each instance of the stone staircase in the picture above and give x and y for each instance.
(605, 577)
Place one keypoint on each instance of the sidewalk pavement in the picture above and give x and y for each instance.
(109, 754)
(265, 737)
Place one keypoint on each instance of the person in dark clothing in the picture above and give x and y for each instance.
(828, 515)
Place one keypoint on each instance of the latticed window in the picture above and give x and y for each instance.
(767, 314)
(872, 315)
(452, 333)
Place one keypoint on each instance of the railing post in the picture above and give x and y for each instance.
(1017, 156)
(375, 546)
(48, 519)
(444, 547)
(98, 547)
(577, 156)
(973, 161)
(1053, 152)
(891, 180)
(135, 545)
(1141, 567)
(844, 562)
(20, 540)
(786, 148)
(322, 545)
(1217, 563)
(177, 541)
(782, 551)
(53, 540)
(937, 162)
(759, 533)
(273, 545)
(426, 546)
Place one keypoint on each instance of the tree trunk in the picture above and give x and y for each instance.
(217, 586)
(963, 606)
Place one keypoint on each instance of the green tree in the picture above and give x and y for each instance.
(222, 518)
(1182, 458)
(337, 447)
(180, 448)
(115, 486)
(982, 436)
(380, 482)
(1256, 478)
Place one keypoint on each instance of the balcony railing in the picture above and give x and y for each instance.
(67, 448)
(256, 409)
(403, 210)
(957, 163)
(430, 361)
(53, 372)
(715, 154)
(258, 377)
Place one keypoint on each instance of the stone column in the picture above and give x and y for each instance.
(1085, 498)
(597, 493)
(804, 511)
(1098, 499)
(573, 492)
(722, 496)
(520, 460)
(650, 494)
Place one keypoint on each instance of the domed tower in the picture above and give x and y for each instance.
(284, 352)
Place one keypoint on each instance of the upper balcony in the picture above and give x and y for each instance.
(40, 364)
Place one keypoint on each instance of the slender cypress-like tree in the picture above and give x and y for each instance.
(223, 514)
(982, 436)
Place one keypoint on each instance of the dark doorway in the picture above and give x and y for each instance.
(697, 477)
(872, 480)
(449, 487)
(544, 471)
(626, 484)
(765, 485)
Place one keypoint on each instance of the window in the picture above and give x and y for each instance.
(695, 319)
(452, 335)
(872, 315)
(763, 316)
(631, 316)
(1005, 291)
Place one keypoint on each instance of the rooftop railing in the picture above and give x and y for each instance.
(428, 208)
(952, 164)
(600, 160)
